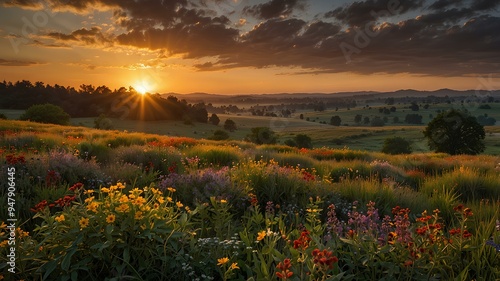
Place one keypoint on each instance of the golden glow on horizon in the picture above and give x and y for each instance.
(143, 87)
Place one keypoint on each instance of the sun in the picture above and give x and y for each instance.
(143, 87)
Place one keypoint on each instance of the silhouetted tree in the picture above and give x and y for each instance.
(262, 135)
(455, 132)
(396, 145)
(335, 120)
(229, 125)
(214, 119)
(46, 113)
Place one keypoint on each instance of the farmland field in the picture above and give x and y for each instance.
(93, 204)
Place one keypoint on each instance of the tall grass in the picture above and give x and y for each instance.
(215, 155)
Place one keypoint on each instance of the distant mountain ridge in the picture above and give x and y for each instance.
(206, 97)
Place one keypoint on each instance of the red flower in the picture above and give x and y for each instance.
(76, 186)
(284, 268)
(303, 241)
(324, 259)
(466, 234)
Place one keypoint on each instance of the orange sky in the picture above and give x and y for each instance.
(244, 47)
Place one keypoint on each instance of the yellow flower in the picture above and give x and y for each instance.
(138, 215)
(90, 199)
(156, 205)
(60, 218)
(187, 209)
(93, 207)
(179, 204)
(161, 200)
(120, 185)
(135, 191)
(123, 199)
(110, 218)
(234, 266)
(4, 243)
(105, 190)
(84, 222)
(169, 199)
(261, 235)
(21, 233)
(156, 191)
(131, 196)
(89, 191)
(113, 188)
(222, 261)
(122, 208)
(223, 201)
(145, 208)
(139, 201)
(171, 189)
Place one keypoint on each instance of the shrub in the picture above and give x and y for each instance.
(261, 135)
(219, 135)
(230, 125)
(46, 113)
(103, 123)
(455, 132)
(396, 145)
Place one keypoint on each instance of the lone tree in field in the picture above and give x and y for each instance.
(214, 119)
(262, 135)
(46, 113)
(455, 132)
(229, 125)
(396, 145)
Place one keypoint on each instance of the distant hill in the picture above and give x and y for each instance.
(253, 98)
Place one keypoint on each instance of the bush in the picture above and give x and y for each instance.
(219, 135)
(230, 125)
(46, 113)
(262, 135)
(103, 123)
(455, 132)
(396, 145)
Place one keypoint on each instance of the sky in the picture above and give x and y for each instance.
(253, 46)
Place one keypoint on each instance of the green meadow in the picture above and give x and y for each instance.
(127, 205)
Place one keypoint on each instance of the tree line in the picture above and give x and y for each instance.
(91, 101)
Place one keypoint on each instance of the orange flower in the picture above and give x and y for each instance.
(110, 218)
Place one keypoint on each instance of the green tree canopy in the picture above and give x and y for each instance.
(396, 145)
(46, 113)
(229, 125)
(455, 132)
(262, 135)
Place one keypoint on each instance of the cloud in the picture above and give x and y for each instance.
(361, 12)
(24, 4)
(92, 36)
(274, 9)
(442, 38)
(4, 62)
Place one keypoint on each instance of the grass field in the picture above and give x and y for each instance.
(349, 134)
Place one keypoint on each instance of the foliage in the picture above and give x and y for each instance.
(335, 120)
(3, 116)
(300, 141)
(103, 123)
(214, 119)
(230, 125)
(396, 145)
(46, 113)
(455, 132)
(262, 135)
(219, 135)
(208, 210)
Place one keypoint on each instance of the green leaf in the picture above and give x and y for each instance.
(126, 255)
(48, 268)
(66, 262)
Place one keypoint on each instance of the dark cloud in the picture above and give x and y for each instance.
(274, 9)
(483, 5)
(25, 4)
(447, 38)
(92, 36)
(443, 4)
(361, 12)
(4, 62)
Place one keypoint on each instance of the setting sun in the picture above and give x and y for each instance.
(142, 88)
